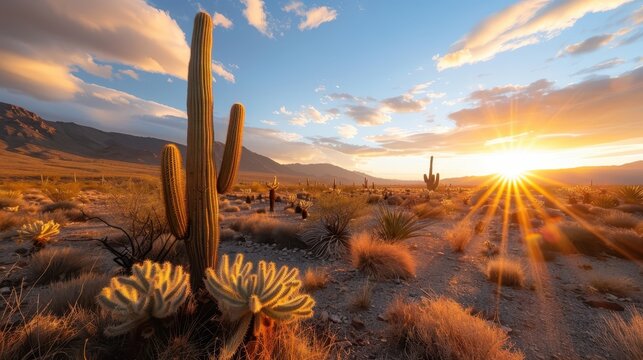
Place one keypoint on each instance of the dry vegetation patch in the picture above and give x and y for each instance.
(268, 230)
(442, 329)
(459, 235)
(315, 279)
(620, 286)
(380, 259)
(624, 339)
(77, 292)
(55, 264)
(505, 272)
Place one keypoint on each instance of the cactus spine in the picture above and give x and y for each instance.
(197, 219)
(432, 181)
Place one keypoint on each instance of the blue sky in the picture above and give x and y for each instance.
(376, 86)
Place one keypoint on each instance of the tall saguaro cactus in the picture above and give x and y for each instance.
(271, 195)
(196, 220)
(432, 181)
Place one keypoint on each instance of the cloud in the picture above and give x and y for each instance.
(220, 20)
(129, 72)
(524, 23)
(312, 17)
(256, 15)
(587, 45)
(603, 65)
(282, 111)
(346, 131)
(269, 122)
(405, 104)
(311, 114)
(320, 88)
(220, 70)
(367, 116)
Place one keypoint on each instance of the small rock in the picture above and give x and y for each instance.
(381, 317)
(5, 290)
(603, 304)
(611, 297)
(357, 323)
(324, 316)
(335, 318)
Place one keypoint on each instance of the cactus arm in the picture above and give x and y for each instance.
(233, 149)
(203, 209)
(174, 191)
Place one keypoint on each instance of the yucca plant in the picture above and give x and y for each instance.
(631, 194)
(606, 201)
(260, 297)
(153, 291)
(396, 224)
(39, 232)
(328, 237)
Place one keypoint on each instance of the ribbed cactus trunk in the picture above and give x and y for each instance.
(271, 196)
(197, 220)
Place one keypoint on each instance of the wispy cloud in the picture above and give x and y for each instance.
(524, 23)
(222, 21)
(129, 72)
(255, 13)
(220, 70)
(346, 131)
(311, 114)
(313, 17)
(603, 65)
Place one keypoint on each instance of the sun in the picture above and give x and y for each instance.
(512, 165)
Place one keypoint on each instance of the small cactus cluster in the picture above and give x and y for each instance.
(273, 188)
(432, 181)
(39, 232)
(305, 205)
(263, 296)
(153, 291)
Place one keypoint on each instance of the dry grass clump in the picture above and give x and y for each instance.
(264, 229)
(631, 194)
(429, 211)
(623, 339)
(77, 292)
(620, 219)
(606, 201)
(55, 264)
(505, 272)
(396, 224)
(228, 234)
(60, 205)
(381, 259)
(599, 239)
(442, 329)
(10, 198)
(374, 199)
(459, 235)
(49, 337)
(315, 278)
(62, 192)
(294, 342)
(232, 209)
(362, 299)
(620, 286)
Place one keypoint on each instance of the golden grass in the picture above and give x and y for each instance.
(295, 342)
(620, 286)
(505, 272)
(459, 235)
(442, 329)
(315, 279)
(266, 229)
(624, 339)
(55, 264)
(362, 299)
(77, 292)
(429, 211)
(620, 219)
(380, 259)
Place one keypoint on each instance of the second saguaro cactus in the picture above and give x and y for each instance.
(272, 195)
(196, 219)
(432, 181)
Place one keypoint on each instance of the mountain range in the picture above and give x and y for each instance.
(31, 146)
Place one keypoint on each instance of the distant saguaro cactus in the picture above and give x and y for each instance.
(197, 219)
(273, 187)
(365, 183)
(432, 181)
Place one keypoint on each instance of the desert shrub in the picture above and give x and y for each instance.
(631, 194)
(596, 240)
(232, 209)
(328, 236)
(10, 198)
(77, 292)
(228, 234)
(623, 339)
(55, 264)
(620, 286)
(606, 201)
(505, 272)
(362, 298)
(61, 192)
(620, 219)
(267, 230)
(49, 337)
(441, 329)
(60, 205)
(315, 278)
(39, 232)
(382, 260)
(396, 224)
(429, 211)
(374, 199)
(295, 342)
(10, 220)
(244, 207)
(394, 200)
(459, 235)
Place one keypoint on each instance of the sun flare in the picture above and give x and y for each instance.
(512, 165)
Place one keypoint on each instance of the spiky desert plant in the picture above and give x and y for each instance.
(365, 184)
(39, 232)
(432, 181)
(153, 291)
(305, 205)
(197, 219)
(291, 198)
(631, 194)
(396, 224)
(272, 187)
(261, 297)
(605, 201)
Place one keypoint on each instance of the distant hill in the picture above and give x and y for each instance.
(627, 174)
(31, 145)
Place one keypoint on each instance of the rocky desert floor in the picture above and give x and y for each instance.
(557, 313)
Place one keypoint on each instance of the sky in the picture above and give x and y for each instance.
(374, 86)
